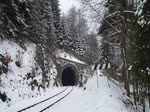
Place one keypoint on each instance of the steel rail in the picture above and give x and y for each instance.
(57, 101)
(42, 100)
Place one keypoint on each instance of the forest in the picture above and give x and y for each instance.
(125, 31)
(123, 28)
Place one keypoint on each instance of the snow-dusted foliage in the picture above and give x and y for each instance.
(77, 31)
(110, 47)
(125, 41)
(59, 31)
(143, 13)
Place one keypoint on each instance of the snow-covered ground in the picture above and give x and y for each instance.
(92, 99)
(15, 83)
(28, 102)
(17, 87)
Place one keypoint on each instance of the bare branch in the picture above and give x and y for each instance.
(113, 14)
(113, 34)
(128, 11)
(117, 31)
(112, 44)
(87, 3)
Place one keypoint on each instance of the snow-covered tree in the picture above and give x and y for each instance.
(92, 48)
(77, 25)
(125, 40)
(42, 32)
(141, 66)
(57, 22)
(110, 49)
(13, 19)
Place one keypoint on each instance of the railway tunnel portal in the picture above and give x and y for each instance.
(69, 69)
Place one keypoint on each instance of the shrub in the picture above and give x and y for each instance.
(4, 61)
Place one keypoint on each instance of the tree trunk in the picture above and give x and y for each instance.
(134, 94)
(137, 90)
(149, 94)
(123, 50)
(144, 94)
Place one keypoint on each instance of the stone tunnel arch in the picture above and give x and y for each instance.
(69, 75)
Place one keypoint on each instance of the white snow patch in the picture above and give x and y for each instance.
(15, 83)
(64, 55)
(93, 99)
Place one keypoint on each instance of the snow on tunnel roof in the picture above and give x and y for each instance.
(65, 55)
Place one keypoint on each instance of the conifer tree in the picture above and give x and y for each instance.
(57, 22)
(141, 66)
(14, 14)
(65, 32)
(42, 32)
(77, 31)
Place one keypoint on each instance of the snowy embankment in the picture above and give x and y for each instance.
(105, 98)
(18, 83)
(93, 99)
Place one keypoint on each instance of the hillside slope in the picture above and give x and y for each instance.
(20, 75)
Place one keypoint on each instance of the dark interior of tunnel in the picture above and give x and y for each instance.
(68, 77)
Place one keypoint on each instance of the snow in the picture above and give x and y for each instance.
(92, 67)
(140, 12)
(65, 55)
(48, 102)
(93, 99)
(141, 21)
(144, 1)
(130, 68)
(103, 98)
(31, 101)
(15, 83)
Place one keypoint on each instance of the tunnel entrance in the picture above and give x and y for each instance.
(69, 77)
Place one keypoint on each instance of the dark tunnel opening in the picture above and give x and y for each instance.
(69, 77)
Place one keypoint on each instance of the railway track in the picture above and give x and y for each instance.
(49, 102)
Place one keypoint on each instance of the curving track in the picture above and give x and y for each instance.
(47, 103)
